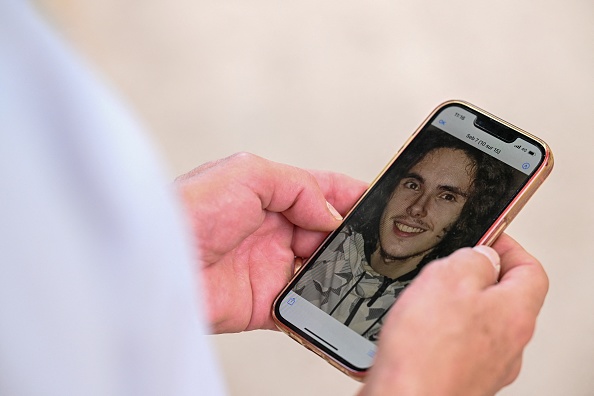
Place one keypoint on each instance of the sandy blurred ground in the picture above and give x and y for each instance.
(339, 85)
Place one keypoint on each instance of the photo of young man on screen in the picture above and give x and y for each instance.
(429, 205)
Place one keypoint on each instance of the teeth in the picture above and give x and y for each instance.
(405, 228)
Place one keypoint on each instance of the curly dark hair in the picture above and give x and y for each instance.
(491, 190)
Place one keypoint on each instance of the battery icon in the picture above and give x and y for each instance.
(531, 152)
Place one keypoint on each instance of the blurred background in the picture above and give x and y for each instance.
(340, 85)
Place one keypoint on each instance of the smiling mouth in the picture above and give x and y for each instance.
(408, 229)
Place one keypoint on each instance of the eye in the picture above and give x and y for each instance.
(411, 185)
(448, 197)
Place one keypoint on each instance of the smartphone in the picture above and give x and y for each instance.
(458, 181)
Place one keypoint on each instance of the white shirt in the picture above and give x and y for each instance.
(97, 286)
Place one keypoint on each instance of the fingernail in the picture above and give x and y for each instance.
(491, 255)
(333, 211)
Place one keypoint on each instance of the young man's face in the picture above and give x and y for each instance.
(425, 204)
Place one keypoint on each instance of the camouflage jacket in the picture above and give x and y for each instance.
(344, 285)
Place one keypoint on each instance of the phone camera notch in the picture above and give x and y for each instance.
(495, 128)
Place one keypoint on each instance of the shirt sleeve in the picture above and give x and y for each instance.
(97, 291)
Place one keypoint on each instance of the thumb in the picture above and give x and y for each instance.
(492, 256)
(476, 268)
(296, 194)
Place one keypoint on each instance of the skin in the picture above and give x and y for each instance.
(472, 341)
(251, 217)
(423, 206)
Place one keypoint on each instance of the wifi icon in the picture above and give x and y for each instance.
(518, 146)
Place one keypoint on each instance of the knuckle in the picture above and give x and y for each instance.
(525, 330)
(244, 157)
(244, 163)
(521, 326)
(307, 177)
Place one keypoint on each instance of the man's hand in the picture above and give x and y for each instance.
(455, 331)
(250, 218)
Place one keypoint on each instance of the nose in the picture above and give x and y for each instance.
(418, 207)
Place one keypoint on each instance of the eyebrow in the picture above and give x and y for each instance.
(444, 187)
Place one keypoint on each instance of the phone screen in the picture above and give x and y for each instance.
(444, 191)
